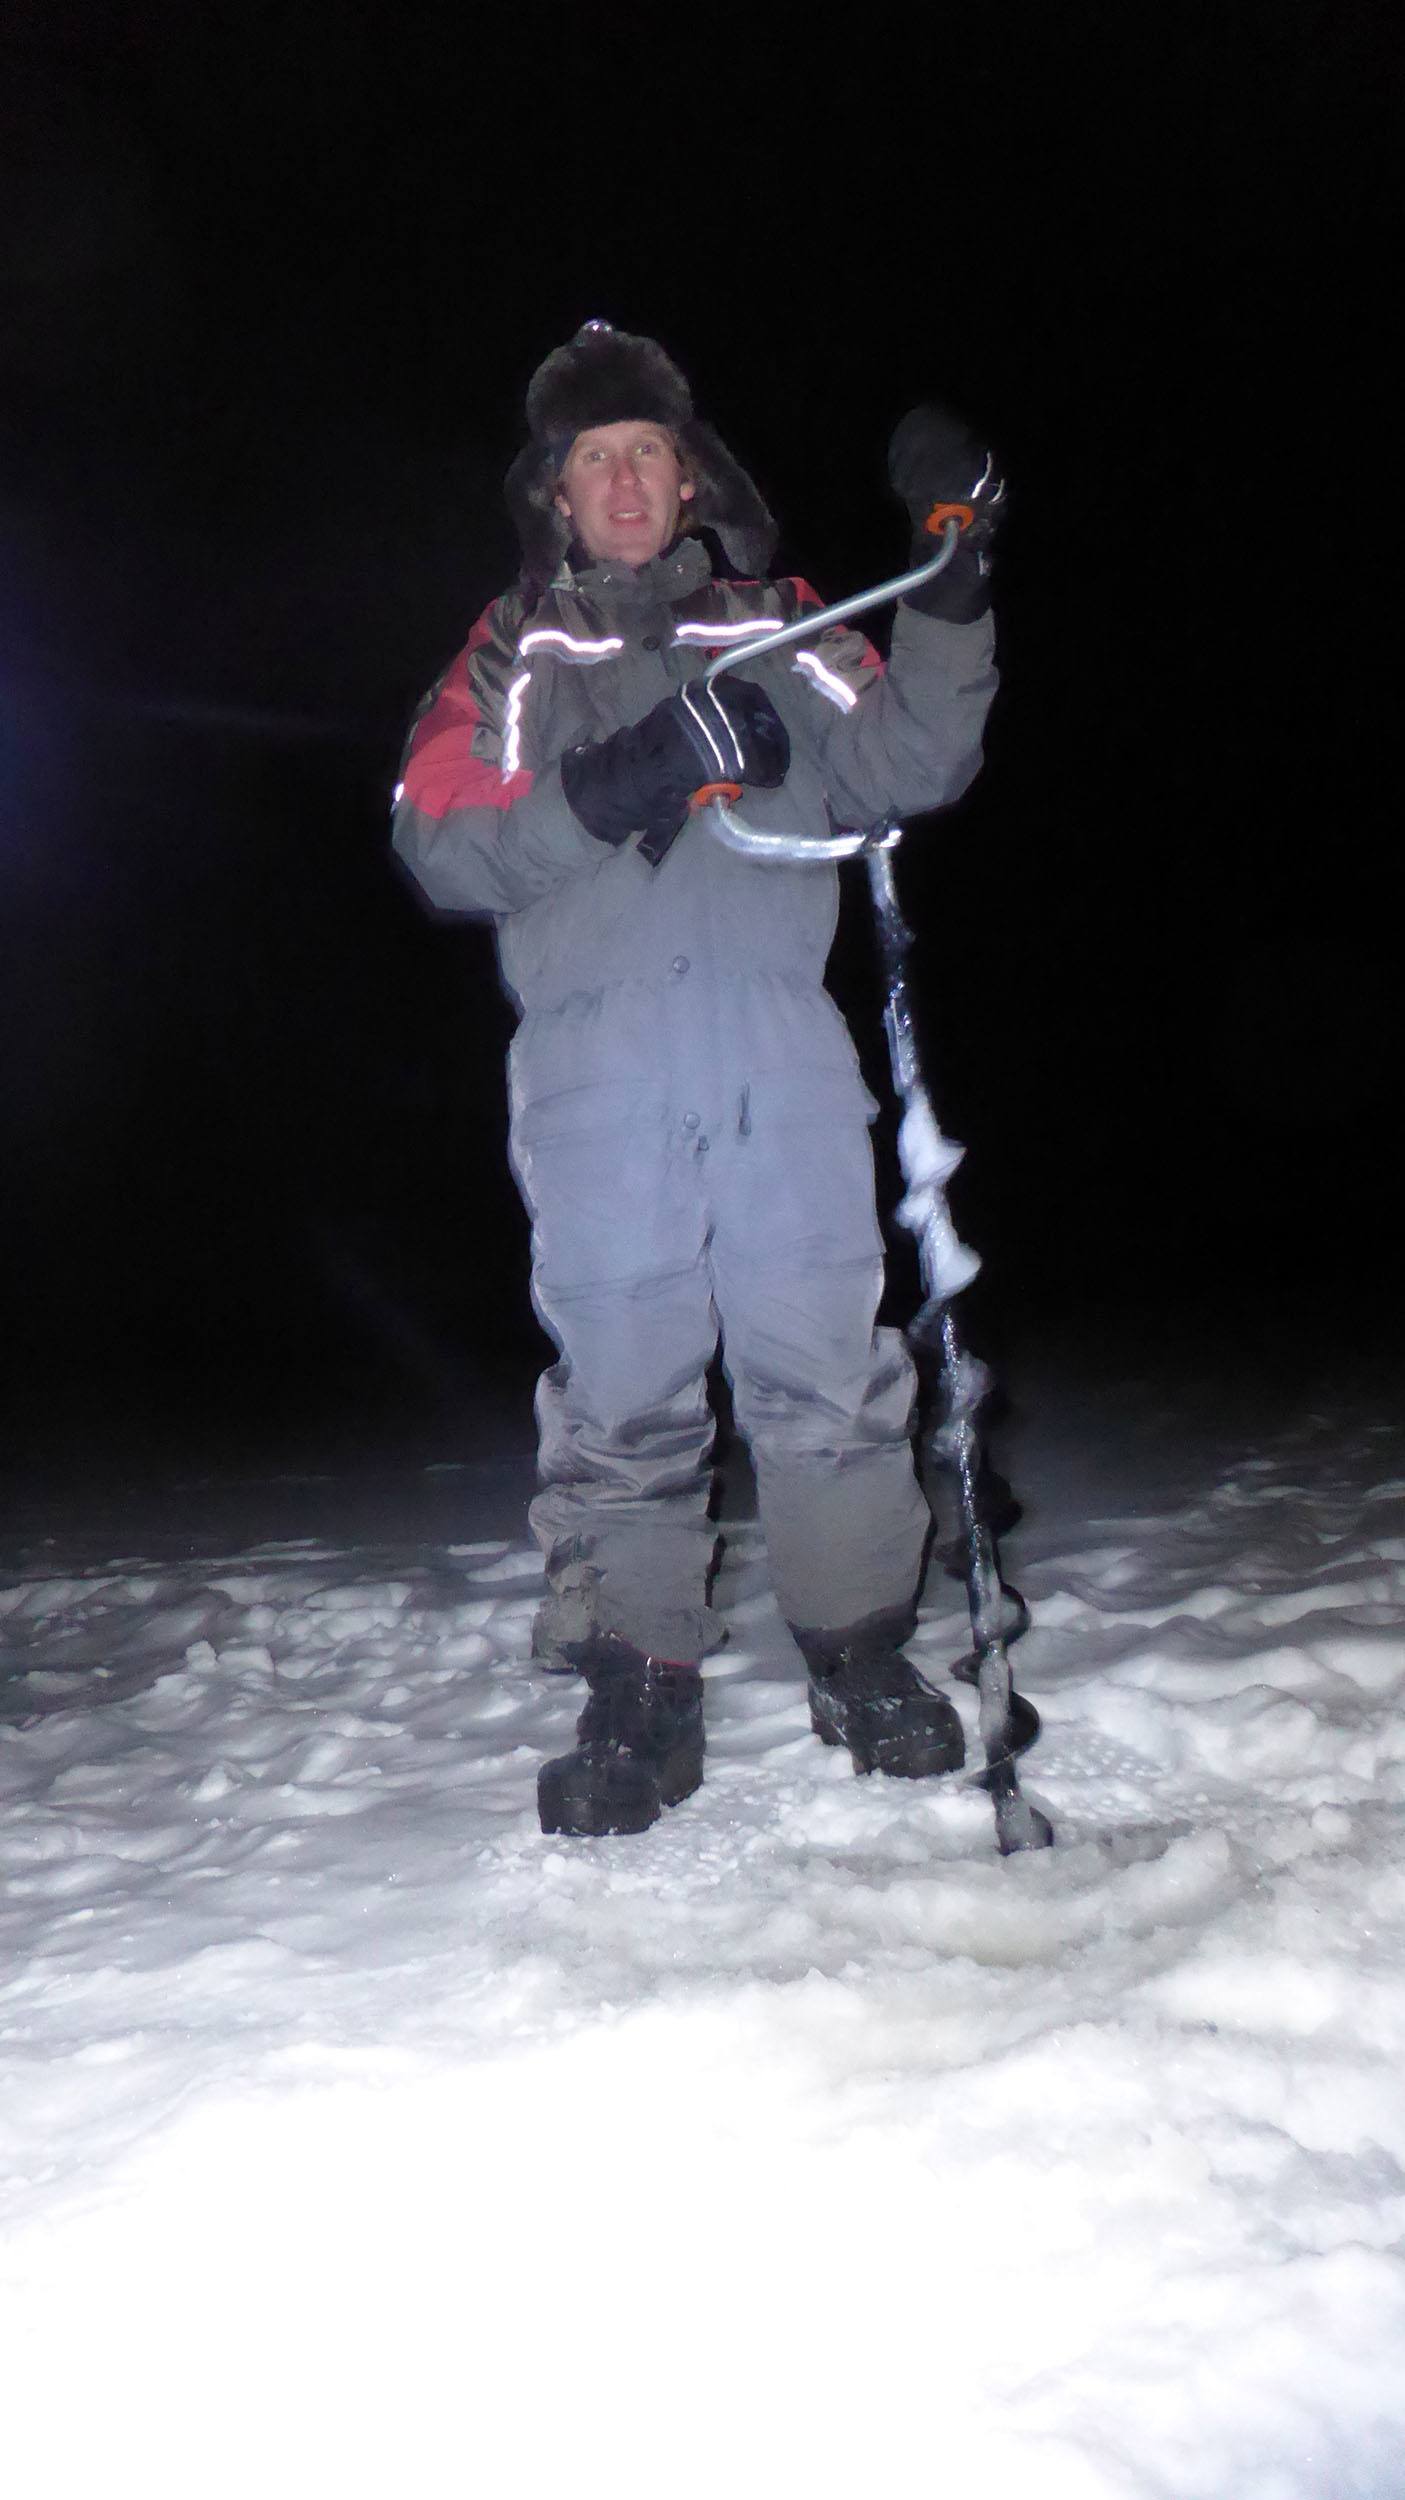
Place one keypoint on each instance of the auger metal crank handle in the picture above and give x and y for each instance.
(720, 796)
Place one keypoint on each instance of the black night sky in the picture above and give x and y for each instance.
(271, 285)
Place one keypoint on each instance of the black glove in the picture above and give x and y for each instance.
(934, 460)
(641, 779)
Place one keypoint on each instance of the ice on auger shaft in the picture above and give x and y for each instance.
(928, 1159)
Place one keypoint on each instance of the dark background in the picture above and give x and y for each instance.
(271, 286)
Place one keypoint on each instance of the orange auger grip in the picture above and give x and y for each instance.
(729, 790)
(962, 513)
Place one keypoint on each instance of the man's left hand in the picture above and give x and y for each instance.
(941, 470)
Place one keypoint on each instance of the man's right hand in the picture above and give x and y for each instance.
(641, 779)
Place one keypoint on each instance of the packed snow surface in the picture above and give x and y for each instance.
(357, 2139)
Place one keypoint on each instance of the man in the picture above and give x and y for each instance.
(688, 1122)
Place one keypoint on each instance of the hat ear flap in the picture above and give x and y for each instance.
(543, 532)
(727, 501)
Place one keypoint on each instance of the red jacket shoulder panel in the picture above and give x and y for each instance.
(458, 747)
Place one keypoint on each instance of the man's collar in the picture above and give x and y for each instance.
(682, 567)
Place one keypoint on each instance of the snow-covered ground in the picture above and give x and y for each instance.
(359, 2140)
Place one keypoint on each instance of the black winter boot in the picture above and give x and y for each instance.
(866, 1695)
(639, 1744)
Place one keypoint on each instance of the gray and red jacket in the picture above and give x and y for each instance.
(600, 948)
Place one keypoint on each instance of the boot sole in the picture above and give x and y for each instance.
(590, 1817)
(920, 1754)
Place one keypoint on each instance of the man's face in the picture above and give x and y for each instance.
(622, 490)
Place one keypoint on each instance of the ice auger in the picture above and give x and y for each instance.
(1008, 1723)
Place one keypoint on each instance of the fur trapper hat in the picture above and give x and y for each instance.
(601, 377)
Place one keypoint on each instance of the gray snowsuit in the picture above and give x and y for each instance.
(689, 1126)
